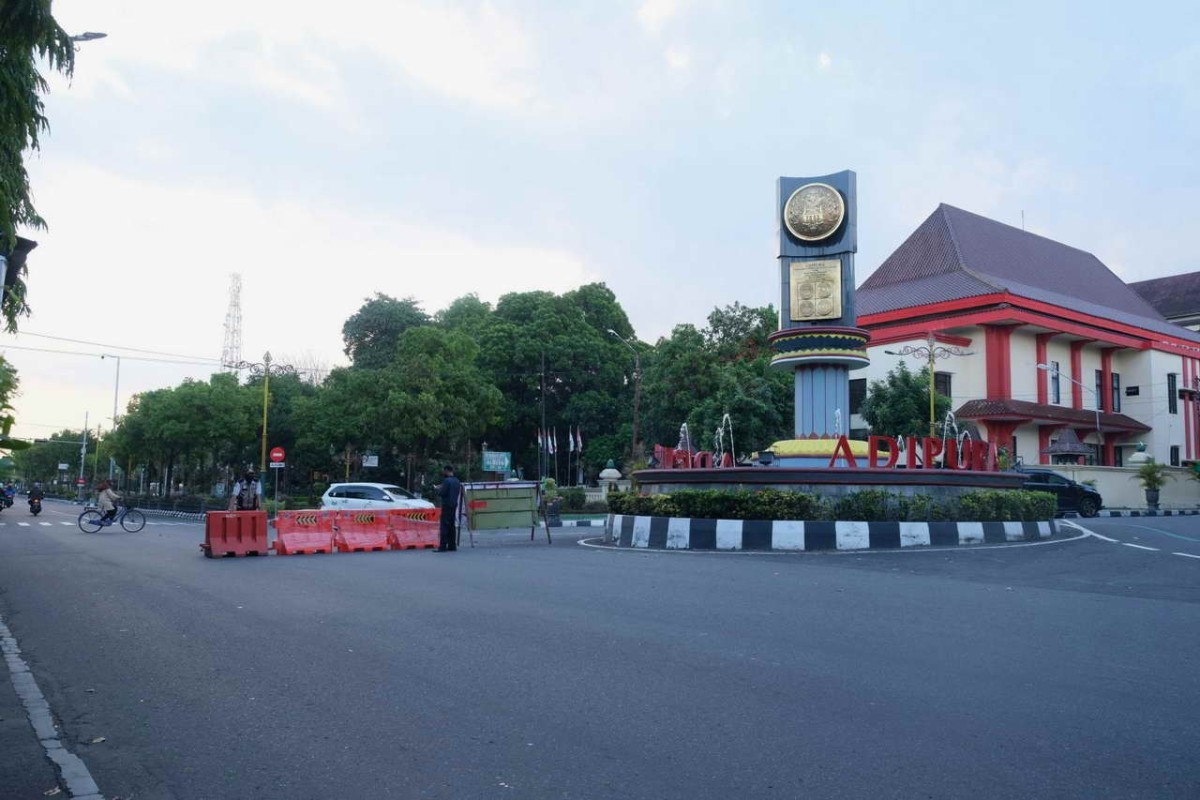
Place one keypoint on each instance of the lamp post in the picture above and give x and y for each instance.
(931, 351)
(265, 369)
(637, 390)
(1099, 435)
(116, 390)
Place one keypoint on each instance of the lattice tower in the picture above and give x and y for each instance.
(231, 353)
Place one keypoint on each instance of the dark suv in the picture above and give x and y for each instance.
(1071, 496)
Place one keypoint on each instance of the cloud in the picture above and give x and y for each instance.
(653, 15)
(479, 54)
(824, 61)
(677, 58)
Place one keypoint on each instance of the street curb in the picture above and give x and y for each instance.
(1170, 512)
(681, 533)
(189, 515)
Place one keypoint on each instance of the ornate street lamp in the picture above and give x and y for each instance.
(931, 351)
(265, 369)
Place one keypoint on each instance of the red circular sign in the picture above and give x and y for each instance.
(80, 482)
(277, 454)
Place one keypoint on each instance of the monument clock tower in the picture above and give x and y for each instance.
(818, 338)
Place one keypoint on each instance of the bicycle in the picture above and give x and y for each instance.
(130, 519)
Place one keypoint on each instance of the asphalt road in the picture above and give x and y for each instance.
(527, 670)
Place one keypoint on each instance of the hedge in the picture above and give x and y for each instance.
(988, 505)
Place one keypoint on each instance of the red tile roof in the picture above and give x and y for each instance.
(955, 254)
(1047, 414)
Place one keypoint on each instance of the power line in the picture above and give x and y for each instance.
(118, 347)
(206, 363)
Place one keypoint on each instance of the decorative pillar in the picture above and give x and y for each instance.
(818, 338)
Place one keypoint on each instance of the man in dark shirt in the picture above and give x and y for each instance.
(449, 491)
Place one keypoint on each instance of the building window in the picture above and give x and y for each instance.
(1172, 393)
(1099, 390)
(1055, 391)
(942, 384)
(858, 393)
(1118, 456)
(1174, 455)
(1116, 393)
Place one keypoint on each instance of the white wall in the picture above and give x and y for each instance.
(1120, 489)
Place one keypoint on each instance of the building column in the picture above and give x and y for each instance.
(1043, 377)
(1044, 433)
(1076, 373)
(998, 355)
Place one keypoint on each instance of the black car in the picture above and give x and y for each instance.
(1071, 496)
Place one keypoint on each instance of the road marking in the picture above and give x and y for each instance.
(45, 524)
(23, 524)
(71, 769)
(1140, 546)
(1164, 533)
(67, 523)
(1186, 555)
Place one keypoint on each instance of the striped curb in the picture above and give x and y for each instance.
(190, 515)
(679, 533)
(1170, 512)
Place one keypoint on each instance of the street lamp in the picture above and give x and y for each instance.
(637, 390)
(265, 369)
(1055, 370)
(116, 389)
(931, 351)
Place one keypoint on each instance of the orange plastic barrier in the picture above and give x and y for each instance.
(235, 533)
(413, 529)
(304, 532)
(361, 531)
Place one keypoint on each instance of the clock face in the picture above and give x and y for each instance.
(814, 212)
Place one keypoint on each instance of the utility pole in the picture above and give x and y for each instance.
(545, 445)
(83, 455)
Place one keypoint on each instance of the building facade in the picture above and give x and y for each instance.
(1055, 340)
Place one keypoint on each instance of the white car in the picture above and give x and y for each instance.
(370, 496)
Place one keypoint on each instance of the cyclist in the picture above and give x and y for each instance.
(106, 500)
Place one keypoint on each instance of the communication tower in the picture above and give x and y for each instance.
(231, 353)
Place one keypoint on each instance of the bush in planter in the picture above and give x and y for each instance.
(1152, 475)
(573, 499)
(864, 506)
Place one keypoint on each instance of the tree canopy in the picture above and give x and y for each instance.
(28, 34)
(899, 404)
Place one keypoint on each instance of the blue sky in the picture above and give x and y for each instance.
(433, 149)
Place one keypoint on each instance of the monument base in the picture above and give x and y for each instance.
(789, 453)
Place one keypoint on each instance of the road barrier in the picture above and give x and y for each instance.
(235, 533)
(413, 529)
(304, 532)
(361, 531)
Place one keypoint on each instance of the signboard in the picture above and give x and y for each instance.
(277, 465)
(370, 460)
(63, 467)
(277, 455)
(80, 482)
(496, 461)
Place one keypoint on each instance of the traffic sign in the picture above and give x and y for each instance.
(80, 482)
(277, 454)
(277, 465)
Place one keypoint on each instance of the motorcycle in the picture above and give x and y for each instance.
(35, 506)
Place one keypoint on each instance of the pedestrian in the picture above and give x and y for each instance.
(247, 493)
(449, 491)
(106, 501)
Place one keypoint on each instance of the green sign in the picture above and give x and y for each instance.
(496, 461)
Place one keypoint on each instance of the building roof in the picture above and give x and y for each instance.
(1045, 414)
(955, 254)
(1173, 296)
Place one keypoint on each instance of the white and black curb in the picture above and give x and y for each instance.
(74, 773)
(1133, 512)
(189, 515)
(681, 533)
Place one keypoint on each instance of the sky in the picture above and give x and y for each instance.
(326, 152)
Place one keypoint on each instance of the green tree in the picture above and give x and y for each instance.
(40, 462)
(739, 332)
(899, 404)
(28, 34)
(371, 334)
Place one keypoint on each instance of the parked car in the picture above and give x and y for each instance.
(370, 495)
(1072, 496)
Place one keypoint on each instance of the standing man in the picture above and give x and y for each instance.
(449, 491)
(247, 493)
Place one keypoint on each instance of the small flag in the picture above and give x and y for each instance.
(554, 440)
(541, 443)
(579, 439)
(570, 439)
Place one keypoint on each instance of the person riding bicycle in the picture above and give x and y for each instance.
(106, 501)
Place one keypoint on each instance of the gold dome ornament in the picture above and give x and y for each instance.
(814, 212)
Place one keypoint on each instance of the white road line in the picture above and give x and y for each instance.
(45, 524)
(23, 524)
(71, 769)
(1186, 555)
(66, 523)
(1140, 546)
